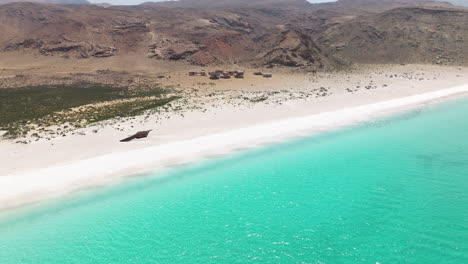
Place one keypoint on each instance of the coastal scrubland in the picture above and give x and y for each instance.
(72, 106)
(65, 104)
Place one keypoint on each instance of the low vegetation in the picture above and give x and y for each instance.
(77, 105)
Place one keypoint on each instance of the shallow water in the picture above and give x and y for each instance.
(390, 191)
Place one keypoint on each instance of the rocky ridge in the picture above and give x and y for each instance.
(316, 37)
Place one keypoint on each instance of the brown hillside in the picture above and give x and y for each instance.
(229, 3)
(403, 35)
(387, 4)
(315, 36)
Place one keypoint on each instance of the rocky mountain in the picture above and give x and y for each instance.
(387, 4)
(402, 35)
(295, 49)
(355, 4)
(309, 36)
(229, 3)
(77, 31)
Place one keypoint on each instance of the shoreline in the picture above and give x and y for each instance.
(35, 185)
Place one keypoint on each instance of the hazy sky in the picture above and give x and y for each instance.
(136, 2)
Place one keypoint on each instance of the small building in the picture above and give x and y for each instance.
(196, 73)
(239, 75)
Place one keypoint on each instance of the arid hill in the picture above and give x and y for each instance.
(379, 5)
(402, 35)
(386, 4)
(298, 34)
(228, 3)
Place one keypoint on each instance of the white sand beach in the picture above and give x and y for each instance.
(47, 169)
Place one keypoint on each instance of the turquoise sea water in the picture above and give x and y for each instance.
(391, 191)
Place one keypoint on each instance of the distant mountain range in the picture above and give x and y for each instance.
(252, 3)
(399, 3)
(270, 33)
(58, 2)
(228, 3)
(341, 3)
